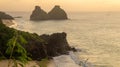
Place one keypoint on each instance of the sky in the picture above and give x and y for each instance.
(68, 5)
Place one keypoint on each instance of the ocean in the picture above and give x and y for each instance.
(97, 34)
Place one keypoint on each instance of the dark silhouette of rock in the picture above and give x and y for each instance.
(38, 14)
(36, 49)
(5, 16)
(57, 13)
(56, 44)
(52, 45)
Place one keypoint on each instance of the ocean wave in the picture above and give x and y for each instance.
(9, 23)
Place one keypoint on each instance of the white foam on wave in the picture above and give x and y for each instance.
(14, 25)
(64, 61)
(9, 23)
(71, 60)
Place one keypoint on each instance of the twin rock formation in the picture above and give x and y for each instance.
(55, 14)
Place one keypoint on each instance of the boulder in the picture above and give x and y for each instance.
(57, 13)
(5, 16)
(38, 14)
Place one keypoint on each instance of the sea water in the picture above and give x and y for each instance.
(97, 34)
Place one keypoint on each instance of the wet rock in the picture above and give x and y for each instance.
(57, 13)
(38, 14)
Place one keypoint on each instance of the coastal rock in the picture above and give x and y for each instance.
(37, 47)
(38, 14)
(57, 13)
(5, 16)
(46, 45)
(56, 44)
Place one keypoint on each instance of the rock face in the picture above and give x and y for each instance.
(56, 44)
(5, 16)
(36, 49)
(57, 13)
(38, 14)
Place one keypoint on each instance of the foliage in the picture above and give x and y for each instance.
(15, 50)
(12, 44)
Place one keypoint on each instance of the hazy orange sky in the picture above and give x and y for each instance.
(68, 5)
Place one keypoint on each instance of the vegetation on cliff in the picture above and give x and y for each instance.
(10, 48)
(24, 46)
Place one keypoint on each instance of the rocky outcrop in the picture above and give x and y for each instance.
(38, 14)
(52, 45)
(57, 13)
(56, 44)
(5, 16)
(37, 47)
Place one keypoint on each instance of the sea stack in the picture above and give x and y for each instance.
(57, 13)
(3, 15)
(38, 14)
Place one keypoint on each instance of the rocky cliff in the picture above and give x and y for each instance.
(37, 47)
(38, 14)
(57, 13)
(56, 43)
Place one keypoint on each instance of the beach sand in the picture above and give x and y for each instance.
(51, 64)
(4, 63)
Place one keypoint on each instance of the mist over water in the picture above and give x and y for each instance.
(96, 33)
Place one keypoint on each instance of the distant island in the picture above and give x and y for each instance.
(56, 13)
(38, 14)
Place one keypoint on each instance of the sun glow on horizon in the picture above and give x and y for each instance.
(68, 5)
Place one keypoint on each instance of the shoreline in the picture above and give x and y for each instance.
(50, 63)
(9, 23)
